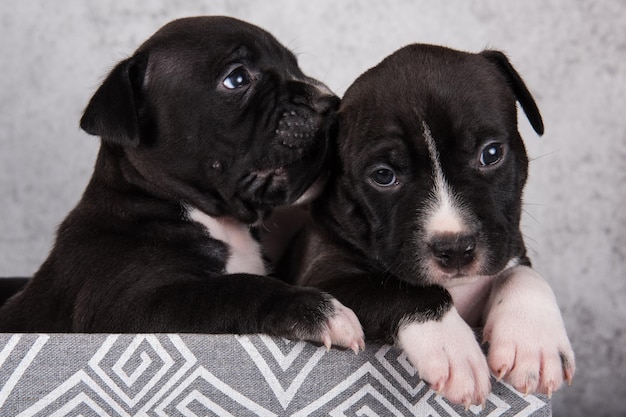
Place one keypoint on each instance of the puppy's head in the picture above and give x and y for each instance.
(216, 113)
(432, 167)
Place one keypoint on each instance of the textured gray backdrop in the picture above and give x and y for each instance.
(571, 53)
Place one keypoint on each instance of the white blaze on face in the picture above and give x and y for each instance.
(444, 213)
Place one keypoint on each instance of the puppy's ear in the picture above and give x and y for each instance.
(113, 111)
(519, 88)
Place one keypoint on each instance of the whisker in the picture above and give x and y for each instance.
(527, 213)
(535, 158)
(527, 237)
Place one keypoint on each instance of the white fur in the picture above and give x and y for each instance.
(446, 354)
(526, 334)
(343, 329)
(244, 251)
(470, 294)
(445, 214)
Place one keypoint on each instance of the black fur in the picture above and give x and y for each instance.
(127, 258)
(368, 247)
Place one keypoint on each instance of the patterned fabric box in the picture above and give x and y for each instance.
(226, 375)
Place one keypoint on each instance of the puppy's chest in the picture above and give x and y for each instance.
(244, 251)
(470, 296)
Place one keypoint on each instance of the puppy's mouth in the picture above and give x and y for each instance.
(482, 265)
(265, 182)
(451, 258)
(282, 185)
(295, 154)
(440, 275)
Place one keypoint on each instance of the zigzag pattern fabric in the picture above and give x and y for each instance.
(205, 375)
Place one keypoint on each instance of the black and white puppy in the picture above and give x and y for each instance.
(205, 129)
(418, 229)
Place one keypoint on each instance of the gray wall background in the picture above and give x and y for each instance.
(572, 55)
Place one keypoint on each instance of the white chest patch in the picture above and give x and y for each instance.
(244, 251)
(470, 294)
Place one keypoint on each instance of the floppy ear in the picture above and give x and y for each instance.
(113, 111)
(519, 88)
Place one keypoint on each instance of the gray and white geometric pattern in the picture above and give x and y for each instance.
(205, 375)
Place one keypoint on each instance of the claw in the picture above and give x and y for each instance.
(438, 388)
(526, 391)
(355, 347)
(569, 377)
(501, 374)
(568, 368)
(467, 404)
(327, 341)
(549, 392)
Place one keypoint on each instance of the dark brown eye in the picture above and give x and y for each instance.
(491, 154)
(384, 176)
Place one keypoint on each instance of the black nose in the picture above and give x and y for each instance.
(313, 94)
(453, 251)
(325, 104)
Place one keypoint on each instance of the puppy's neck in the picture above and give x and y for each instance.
(244, 250)
(470, 294)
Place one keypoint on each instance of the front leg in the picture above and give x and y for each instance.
(238, 303)
(528, 343)
(446, 354)
(423, 322)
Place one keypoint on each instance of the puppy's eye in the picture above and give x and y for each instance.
(384, 176)
(491, 154)
(238, 78)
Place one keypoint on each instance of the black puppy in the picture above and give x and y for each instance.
(418, 228)
(205, 129)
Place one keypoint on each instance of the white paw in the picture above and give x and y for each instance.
(343, 329)
(446, 354)
(528, 343)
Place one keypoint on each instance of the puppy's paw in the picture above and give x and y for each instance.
(528, 343)
(343, 329)
(319, 317)
(446, 354)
